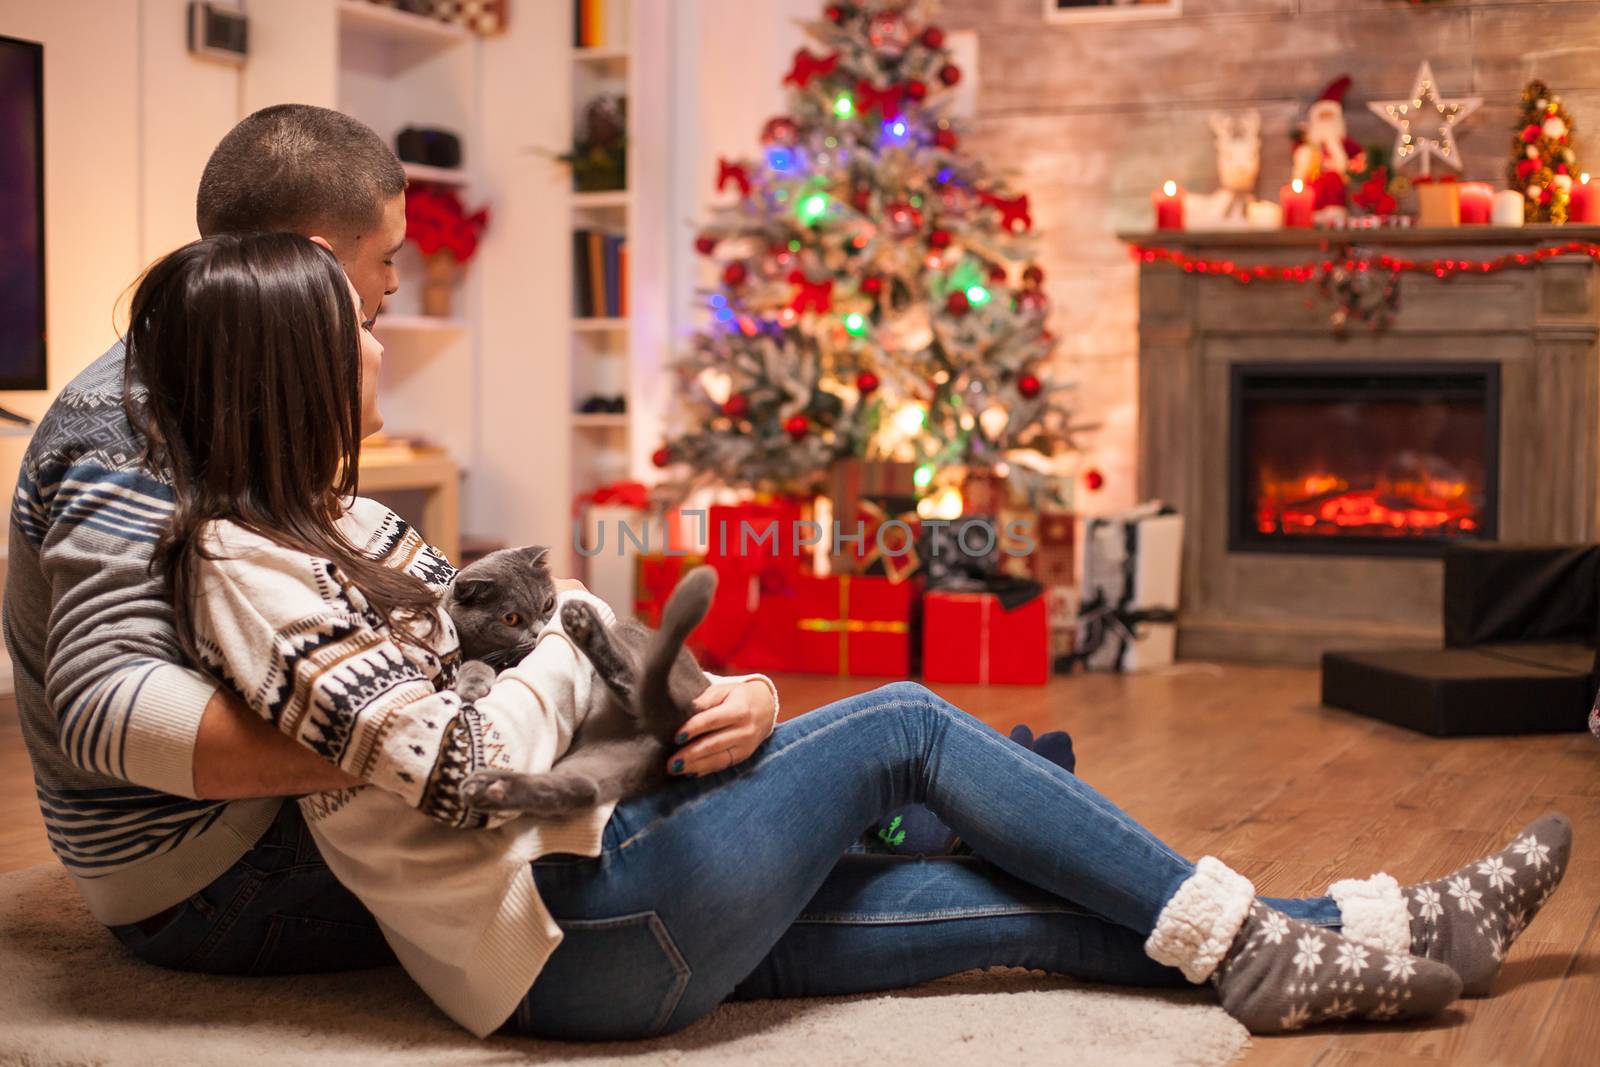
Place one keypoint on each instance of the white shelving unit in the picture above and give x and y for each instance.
(397, 69)
(600, 345)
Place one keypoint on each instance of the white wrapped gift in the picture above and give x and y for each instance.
(1128, 605)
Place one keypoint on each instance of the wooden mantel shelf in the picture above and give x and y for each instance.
(1412, 236)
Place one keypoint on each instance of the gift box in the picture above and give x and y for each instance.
(655, 576)
(964, 548)
(844, 625)
(865, 495)
(1061, 608)
(756, 550)
(985, 493)
(1127, 619)
(971, 637)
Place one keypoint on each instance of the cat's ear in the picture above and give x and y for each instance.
(533, 557)
(472, 590)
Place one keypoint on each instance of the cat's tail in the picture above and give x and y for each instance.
(686, 608)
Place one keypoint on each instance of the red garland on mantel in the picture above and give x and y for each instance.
(1307, 272)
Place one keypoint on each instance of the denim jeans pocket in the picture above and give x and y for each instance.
(611, 979)
(299, 944)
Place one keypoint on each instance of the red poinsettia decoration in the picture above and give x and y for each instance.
(437, 221)
(1374, 193)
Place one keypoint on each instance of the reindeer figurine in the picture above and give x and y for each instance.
(1238, 165)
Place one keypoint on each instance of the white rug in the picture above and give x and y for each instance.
(71, 995)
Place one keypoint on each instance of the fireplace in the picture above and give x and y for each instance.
(1319, 472)
(1363, 458)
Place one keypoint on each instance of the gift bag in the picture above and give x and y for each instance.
(1127, 618)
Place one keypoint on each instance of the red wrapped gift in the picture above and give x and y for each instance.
(969, 637)
(847, 625)
(656, 577)
(1055, 558)
(755, 549)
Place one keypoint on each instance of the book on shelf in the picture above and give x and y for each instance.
(599, 274)
(600, 23)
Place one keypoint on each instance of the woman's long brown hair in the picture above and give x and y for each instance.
(244, 375)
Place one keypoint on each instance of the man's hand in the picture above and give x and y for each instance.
(731, 721)
(238, 754)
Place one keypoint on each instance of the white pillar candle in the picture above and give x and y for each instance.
(1264, 215)
(1507, 209)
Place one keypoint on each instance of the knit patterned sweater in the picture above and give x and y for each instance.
(451, 888)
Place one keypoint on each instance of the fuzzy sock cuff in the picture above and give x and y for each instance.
(1196, 928)
(1374, 913)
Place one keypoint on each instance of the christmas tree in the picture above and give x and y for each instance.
(877, 293)
(1542, 160)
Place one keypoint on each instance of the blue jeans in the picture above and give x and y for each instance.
(739, 884)
(278, 910)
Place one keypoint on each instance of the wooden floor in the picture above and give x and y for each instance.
(1241, 763)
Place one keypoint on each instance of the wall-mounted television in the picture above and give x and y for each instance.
(22, 333)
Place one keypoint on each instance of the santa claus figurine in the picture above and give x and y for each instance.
(1326, 154)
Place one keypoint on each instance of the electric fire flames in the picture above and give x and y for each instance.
(1327, 505)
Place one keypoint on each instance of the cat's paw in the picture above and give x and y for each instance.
(580, 621)
(490, 790)
(474, 680)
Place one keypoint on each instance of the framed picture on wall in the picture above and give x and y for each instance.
(1110, 10)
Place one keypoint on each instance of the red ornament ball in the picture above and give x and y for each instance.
(1034, 275)
(997, 274)
(735, 274)
(661, 457)
(872, 285)
(933, 37)
(949, 73)
(1032, 302)
(861, 198)
(1530, 133)
(916, 89)
(780, 131)
(735, 406)
(797, 426)
(1094, 480)
(945, 139)
(939, 239)
(957, 303)
(1029, 385)
(705, 244)
(835, 12)
(867, 382)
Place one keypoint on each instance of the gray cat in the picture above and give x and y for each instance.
(620, 750)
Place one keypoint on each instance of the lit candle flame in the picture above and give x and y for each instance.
(1298, 186)
(1584, 178)
(1170, 188)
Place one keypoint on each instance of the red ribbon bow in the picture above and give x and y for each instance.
(735, 172)
(1014, 210)
(621, 494)
(869, 96)
(816, 296)
(808, 66)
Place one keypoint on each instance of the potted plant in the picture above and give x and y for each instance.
(446, 236)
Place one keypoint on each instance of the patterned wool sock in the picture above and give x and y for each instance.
(1470, 917)
(1274, 973)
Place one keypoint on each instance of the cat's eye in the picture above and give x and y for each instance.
(511, 618)
(550, 605)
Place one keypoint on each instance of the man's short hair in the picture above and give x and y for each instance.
(298, 168)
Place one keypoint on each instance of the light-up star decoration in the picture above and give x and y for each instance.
(1425, 123)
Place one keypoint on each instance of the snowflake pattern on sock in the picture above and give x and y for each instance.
(1283, 974)
(1470, 918)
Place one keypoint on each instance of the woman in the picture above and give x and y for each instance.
(252, 378)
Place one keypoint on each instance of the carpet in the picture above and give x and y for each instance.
(70, 994)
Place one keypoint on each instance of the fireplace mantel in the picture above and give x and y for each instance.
(1540, 323)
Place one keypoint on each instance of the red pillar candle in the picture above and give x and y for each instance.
(1298, 204)
(1169, 206)
(1583, 203)
(1477, 203)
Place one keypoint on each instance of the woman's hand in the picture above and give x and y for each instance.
(731, 721)
(566, 584)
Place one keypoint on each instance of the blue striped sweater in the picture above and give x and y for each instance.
(108, 712)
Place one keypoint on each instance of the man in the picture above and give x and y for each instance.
(161, 793)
